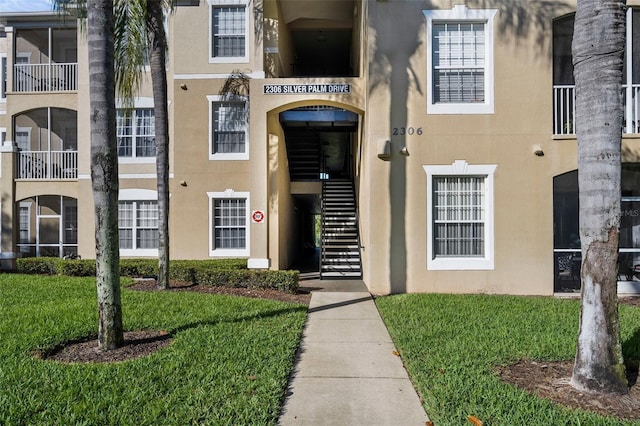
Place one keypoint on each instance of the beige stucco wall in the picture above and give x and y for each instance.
(396, 206)
(390, 92)
(189, 41)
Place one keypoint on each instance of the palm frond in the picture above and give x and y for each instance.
(236, 85)
(130, 40)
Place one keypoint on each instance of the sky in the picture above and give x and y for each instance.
(25, 6)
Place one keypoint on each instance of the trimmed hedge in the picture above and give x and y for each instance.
(211, 272)
(38, 265)
(248, 278)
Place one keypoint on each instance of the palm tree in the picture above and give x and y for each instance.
(157, 43)
(598, 47)
(139, 35)
(139, 31)
(104, 170)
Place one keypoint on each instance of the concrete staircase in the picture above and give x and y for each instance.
(340, 251)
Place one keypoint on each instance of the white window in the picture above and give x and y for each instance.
(23, 138)
(229, 22)
(228, 128)
(136, 133)
(460, 216)
(229, 219)
(25, 223)
(460, 61)
(138, 222)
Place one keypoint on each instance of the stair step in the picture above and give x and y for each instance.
(340, 252)
(335, 269)
(334, 261)
(341, 274)
(331, 232)
(340, 244)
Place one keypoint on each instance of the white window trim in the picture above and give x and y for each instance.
(229, 59)
(462, 168)
(460, 13)
(27, 205)
(213, 252)
(226, 155)
(138, 195)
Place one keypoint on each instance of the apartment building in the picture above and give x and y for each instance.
(421, 145)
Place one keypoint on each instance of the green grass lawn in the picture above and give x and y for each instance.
(228, 364)
(450, 345)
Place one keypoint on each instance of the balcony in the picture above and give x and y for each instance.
(564, 109)
(47, 165)
(59, 77)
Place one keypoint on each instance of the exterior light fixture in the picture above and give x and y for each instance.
(385, 150)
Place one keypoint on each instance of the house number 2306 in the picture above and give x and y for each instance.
(401, 131)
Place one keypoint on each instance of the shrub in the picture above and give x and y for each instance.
(38, 265)
(211, 272)
(77, 267)
(140, 267)
(248, 278)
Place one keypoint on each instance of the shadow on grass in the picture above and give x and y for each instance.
(260, 316)
(631, 355)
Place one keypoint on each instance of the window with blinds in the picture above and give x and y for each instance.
(136, 133)
(228, 31)
(138, 224)
(458, 62)
(459, 215)
(230, 127)
(230, 223)
(25, 224)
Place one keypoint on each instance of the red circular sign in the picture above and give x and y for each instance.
(257, 216)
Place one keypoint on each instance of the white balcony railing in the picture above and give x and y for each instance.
(564, 109)
(47, 165)
(632, 111)
(45, 77)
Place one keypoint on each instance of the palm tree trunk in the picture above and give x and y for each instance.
(157, 56)
(598, 47)
(104, 170)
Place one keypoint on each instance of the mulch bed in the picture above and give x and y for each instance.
(550, 380)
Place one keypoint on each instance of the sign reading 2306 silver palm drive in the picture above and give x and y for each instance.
(296, 89)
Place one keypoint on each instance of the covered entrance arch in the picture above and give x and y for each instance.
(320, 145)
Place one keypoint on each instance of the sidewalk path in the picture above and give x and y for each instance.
(346, 372)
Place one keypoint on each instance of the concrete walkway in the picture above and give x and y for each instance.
(346, 372)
